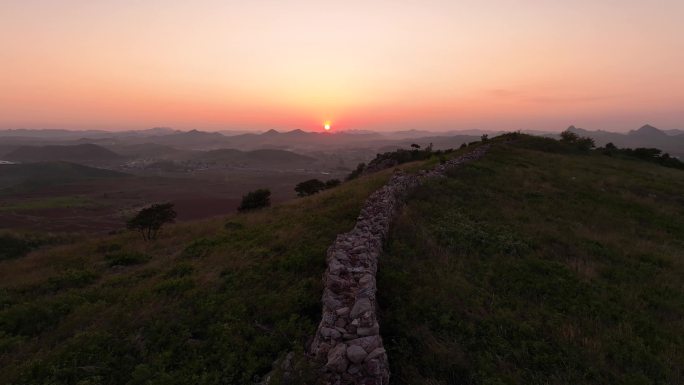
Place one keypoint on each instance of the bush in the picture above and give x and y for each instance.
(32, 318)
(175, 286)
(569, 137)
(199, 248)
(13, 247)
(72, 279)
(585, 143)
(332, 183)
(648, 154)
(357, 172)
(255, 200)
(400, 156)
(233, 226)
(582, 143)
(125, 258)
(314, 186)
(309, 187)
(180, 270)
(149, 220)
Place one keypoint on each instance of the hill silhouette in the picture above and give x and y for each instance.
(270, 157)
(70, 153)
(645, 136)
(46, 173)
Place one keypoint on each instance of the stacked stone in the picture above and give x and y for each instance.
(348, 338)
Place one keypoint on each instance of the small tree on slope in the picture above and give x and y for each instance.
(149, 220)
(255, 200)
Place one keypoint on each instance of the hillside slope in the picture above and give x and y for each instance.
(211, 302)
(69, 153)
(535, 267)
(261, 157)
(526, 266)
(44, 173)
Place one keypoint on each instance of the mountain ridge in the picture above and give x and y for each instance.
(71, 153)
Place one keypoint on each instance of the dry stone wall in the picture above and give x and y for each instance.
(348, 341)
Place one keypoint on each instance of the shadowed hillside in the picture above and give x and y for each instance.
(50, 173)
(536, 264)
(69, 153)
(536, 267)
(209, 302)
(264, 157)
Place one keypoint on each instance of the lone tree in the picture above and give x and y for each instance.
(255, 200)
(582, 143)
(309, 187)
(149, 220)
(569, 137)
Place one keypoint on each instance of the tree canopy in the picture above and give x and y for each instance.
(255, 200)
(149, 220)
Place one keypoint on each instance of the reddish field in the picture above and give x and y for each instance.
(103, 205)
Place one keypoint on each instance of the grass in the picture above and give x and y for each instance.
(210, 302)
(538, 265)
(62, 202)
(15, 245)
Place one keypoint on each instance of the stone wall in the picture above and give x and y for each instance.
(348, 341)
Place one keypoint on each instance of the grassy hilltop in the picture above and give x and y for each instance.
(539, 264)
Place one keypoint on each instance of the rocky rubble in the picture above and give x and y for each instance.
(347, 342)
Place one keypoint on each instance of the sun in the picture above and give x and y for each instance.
(326, 125)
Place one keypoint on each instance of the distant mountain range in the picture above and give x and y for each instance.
(297, 140)
(79, 153)
(671, 141)
(166, 143)
(50, 173)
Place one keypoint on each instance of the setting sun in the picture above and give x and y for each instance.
(326, 125)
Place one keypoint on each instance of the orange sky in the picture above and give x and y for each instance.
(384, 64)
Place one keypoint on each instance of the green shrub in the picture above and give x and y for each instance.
(199, 248)
(13, 247)
(400, 156)
(580, 142)
(357, 171)
(256, 199)
(309, 187)
(175, 286)
(180, 270)
(72, 279)
(126, 258)
(9, 342)
(233, 226)
(314, 186)
(150, 220)
(32, 318)
(330, 183)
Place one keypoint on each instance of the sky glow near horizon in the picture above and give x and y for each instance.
(381, 65)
